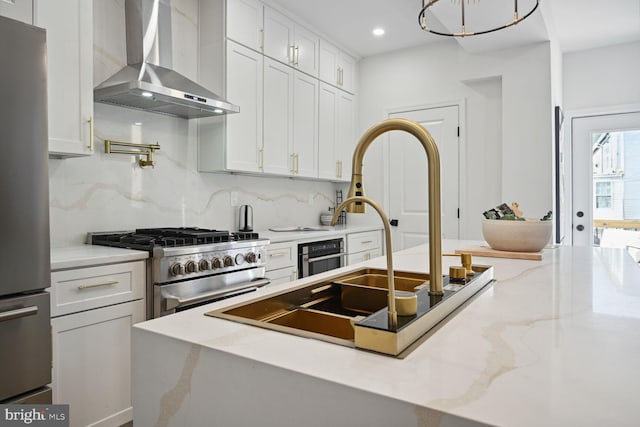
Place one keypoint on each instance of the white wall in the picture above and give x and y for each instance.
(513, 163)
(602, 77)
(111, 192)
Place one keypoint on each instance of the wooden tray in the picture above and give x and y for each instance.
(489, 252)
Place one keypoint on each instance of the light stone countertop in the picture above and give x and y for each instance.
(328, 233)
(87, 255)
(550, 343)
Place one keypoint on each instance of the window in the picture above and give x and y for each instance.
(603, 195)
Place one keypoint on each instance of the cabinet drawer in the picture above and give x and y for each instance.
(281, 255)
(363, 256)
(358, 242)
(283, 275)
(86, 288)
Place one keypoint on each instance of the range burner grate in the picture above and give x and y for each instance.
(149, 238)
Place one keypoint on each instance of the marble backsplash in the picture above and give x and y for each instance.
(106, 192)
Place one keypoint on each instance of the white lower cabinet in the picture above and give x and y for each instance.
(93, 310)
(363, 246)
(92, 364)
(282, 262)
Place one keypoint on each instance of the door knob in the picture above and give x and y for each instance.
(580, 227)
(394, 222)
(579, 214)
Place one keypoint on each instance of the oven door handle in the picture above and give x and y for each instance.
(321, 258)
(173, 301)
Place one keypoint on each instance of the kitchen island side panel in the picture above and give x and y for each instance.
(177, 383)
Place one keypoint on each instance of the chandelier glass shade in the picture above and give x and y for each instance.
(427, 4)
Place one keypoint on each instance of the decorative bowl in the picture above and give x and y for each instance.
(325, 219)
(531, 235)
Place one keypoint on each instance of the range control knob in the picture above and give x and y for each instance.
(240, 259)
(216, 263)
(203, 265)
(250, 257)
(175, 269)
(228, 261)
(190, 267)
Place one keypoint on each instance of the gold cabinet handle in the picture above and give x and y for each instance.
(367, 242)
(293, 163)
(98, 285)
(296, 55)
(261, 154)
(261, 38)
(292, 55)
(297, 163)
(90, 121)
(278, 254)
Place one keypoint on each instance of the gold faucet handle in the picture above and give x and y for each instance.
(406, 303)
(466, 260)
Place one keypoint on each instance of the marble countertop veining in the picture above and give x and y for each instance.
(553, 342)
(87, 255)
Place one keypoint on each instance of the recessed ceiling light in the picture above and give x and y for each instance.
(378, 31)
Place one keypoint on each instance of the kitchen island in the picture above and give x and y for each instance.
(550, 343)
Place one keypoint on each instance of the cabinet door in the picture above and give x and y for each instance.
(283, 275)
(347, 79)
(306, 51)
(278, 117)
(244, 88)
(329, 63)
(328, 166)
(244, 22)
(305, 125)
(92, 363)
(20, 10)
(278, 36)
(69, 25)
(346, 141)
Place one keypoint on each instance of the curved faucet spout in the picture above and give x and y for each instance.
(433, 174)
(391, 296)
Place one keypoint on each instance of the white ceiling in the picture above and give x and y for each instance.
(577, 24)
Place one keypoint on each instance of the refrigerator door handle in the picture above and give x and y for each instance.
(16, 314)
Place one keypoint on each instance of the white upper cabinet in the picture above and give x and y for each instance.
(244, 22)
(336, 133)
(69, 25)
(278, 118)
(305, 126)
(244, 130)
(337, 67)
(20, 10)
(290, 143)
(290, 43)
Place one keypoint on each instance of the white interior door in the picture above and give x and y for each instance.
(408, 183)
(605, 175)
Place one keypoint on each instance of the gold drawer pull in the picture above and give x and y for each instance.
(278, 254)
(97, 285)
(366, 242)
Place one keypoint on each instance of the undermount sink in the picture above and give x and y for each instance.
(351, 309)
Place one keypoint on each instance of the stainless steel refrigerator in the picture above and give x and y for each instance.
(25, 325)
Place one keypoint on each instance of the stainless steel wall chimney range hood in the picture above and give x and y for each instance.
(148, 83)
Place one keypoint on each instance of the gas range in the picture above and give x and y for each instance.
(191, 266)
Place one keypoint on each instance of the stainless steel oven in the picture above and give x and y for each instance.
(191, 266)
(318, 257)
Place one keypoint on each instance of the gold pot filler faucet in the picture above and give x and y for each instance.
(356, 199)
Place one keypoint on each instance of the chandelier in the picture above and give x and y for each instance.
(426, 4)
